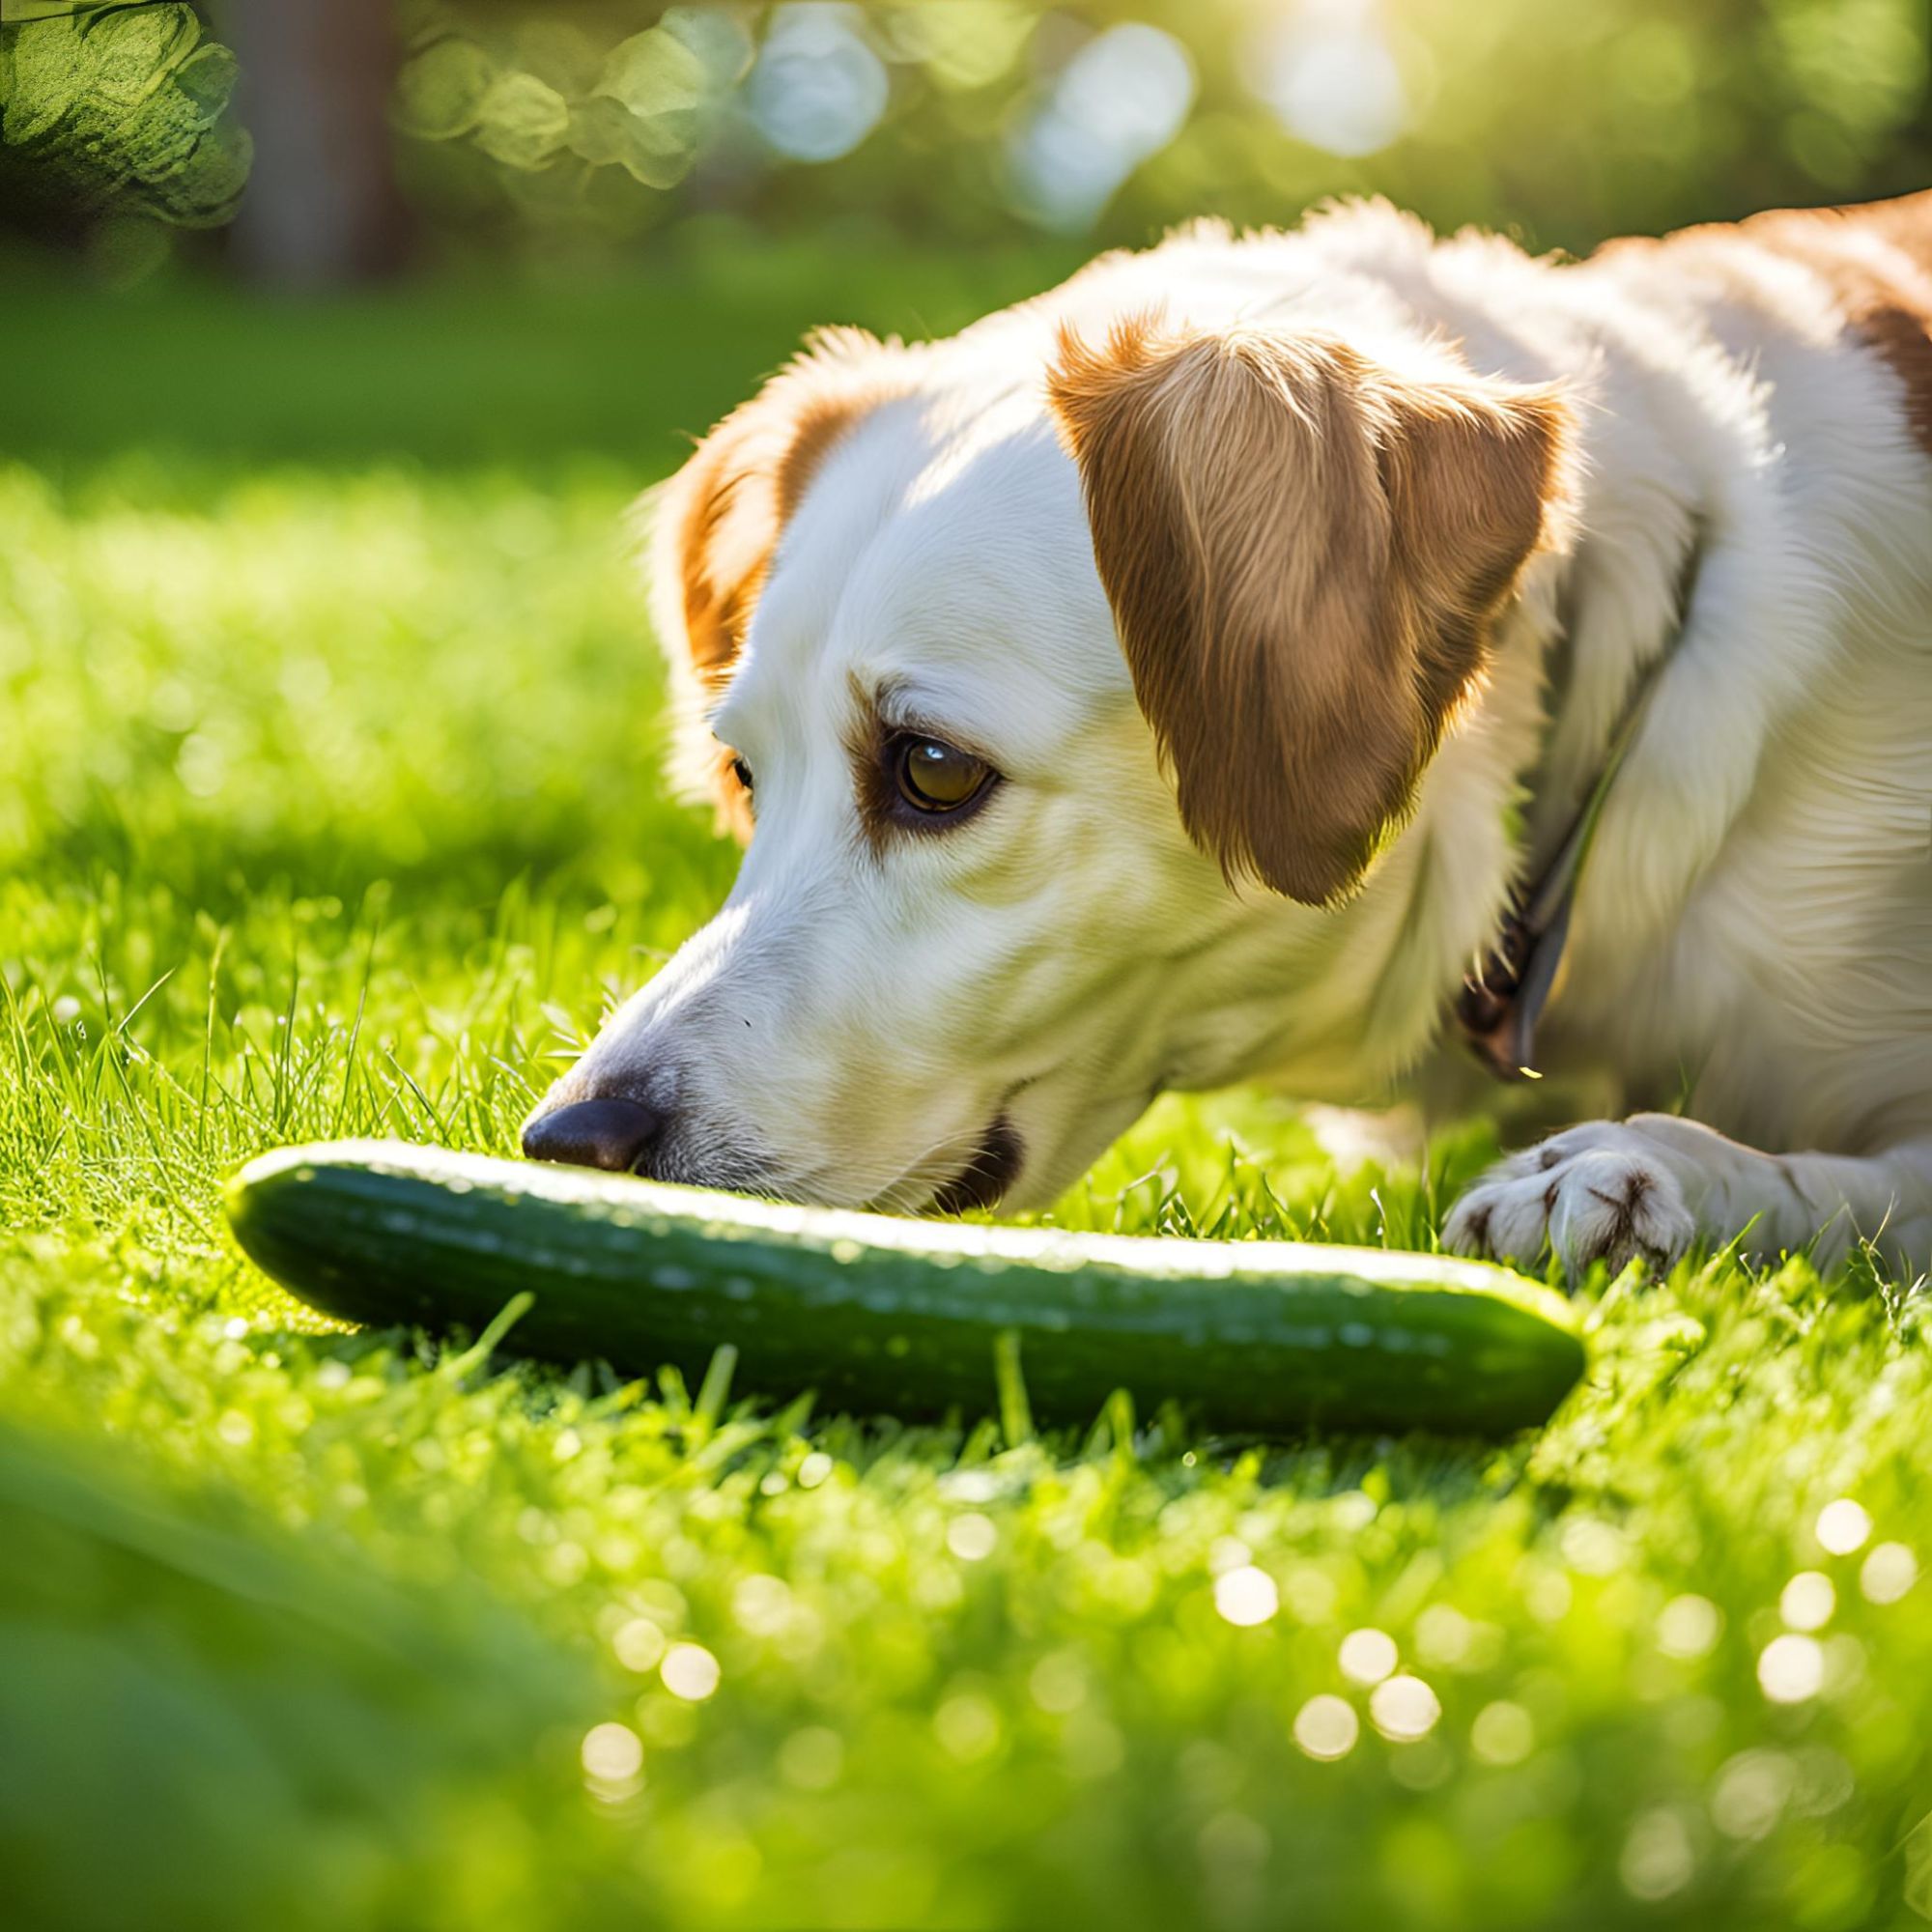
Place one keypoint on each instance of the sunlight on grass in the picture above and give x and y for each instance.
(329, 805)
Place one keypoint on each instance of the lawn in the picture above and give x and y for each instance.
(330, 803)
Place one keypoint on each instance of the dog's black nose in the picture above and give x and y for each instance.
(611, 1134)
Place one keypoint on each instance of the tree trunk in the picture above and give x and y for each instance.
(323, 208)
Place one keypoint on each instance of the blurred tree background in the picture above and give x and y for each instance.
(396, 131)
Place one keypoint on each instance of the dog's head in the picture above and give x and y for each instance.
(1034, 668)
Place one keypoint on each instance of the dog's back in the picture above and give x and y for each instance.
(1766, 875)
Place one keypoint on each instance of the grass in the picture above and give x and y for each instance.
(329, 804)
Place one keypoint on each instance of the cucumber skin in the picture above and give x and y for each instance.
(888, 1315)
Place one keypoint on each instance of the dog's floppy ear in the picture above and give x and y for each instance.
(715, 525)
(1303, 551)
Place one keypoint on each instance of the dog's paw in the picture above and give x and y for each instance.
(1598, 1193)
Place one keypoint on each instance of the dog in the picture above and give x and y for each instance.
(1266, 654)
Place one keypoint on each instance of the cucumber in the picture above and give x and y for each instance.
(884, 1316)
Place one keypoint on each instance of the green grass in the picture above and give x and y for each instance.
(328, 803)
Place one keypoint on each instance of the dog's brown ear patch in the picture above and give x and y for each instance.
(717, 525)
(1303, 551)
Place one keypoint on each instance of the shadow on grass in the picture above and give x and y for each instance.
(516, 369)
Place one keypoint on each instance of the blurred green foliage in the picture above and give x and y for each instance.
(118, 108)
(542, 93)
(576, 125)
(963, 117)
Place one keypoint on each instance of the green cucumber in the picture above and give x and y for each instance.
(905, 1317)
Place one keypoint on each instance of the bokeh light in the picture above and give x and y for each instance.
(1689, 1626)
(1887, 1572)
(1329, 74)
(1327, 1727)
(1843, 1526)
(1403, 1708)
(1120, 99)
(1246, 1595)
(817, 89)
(639, 1645)
(690, 1671)
(1658, 1858)
(1791, 1668)
(612, 1753)
(1807, 1601)
(1503, 1733)
(1367, 1656)
(972, 1536)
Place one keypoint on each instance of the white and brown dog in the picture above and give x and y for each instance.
(1218, 669)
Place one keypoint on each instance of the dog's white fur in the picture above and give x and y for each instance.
(1752, 939)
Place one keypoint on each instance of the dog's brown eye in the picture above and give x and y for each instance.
(936, 776)
(742, 772)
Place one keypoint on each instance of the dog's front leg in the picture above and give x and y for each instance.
(1647, 1187)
